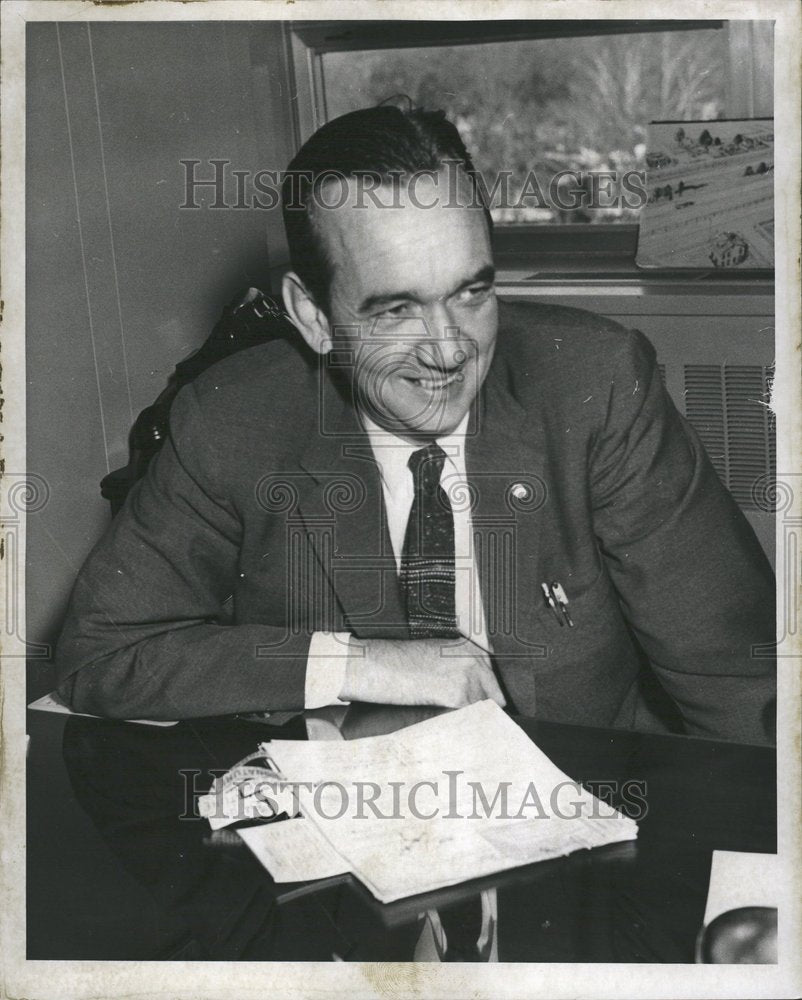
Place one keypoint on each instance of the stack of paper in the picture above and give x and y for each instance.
(456, 797)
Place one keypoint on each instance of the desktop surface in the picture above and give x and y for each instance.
(119, 865)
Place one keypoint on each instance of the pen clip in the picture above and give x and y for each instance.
(547, 594)
(562, 601)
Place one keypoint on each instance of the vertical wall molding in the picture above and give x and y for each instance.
(93, 221)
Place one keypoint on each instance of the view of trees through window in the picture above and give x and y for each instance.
(548, 105)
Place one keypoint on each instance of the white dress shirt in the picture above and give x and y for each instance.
(328, 651)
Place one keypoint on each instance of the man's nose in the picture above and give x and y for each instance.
(441, 322)
(439, 347)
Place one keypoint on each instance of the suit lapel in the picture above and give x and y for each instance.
(505, 465)
(343, 512)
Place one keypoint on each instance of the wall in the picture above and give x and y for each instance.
(122, 283)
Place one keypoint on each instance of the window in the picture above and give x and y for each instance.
(551, 106)
(540, 98)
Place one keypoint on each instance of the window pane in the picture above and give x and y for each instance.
(548, 105)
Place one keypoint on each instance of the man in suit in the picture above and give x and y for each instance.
(441, 498)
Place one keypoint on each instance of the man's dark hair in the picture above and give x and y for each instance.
(385, 142)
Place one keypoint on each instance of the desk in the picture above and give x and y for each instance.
(207, 898)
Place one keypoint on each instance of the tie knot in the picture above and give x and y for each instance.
(426, 466)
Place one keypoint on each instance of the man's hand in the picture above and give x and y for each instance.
(445, 672)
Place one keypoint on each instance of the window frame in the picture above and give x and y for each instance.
(574, 249)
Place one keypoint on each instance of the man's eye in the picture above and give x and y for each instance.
(476, 293)
(395, 312)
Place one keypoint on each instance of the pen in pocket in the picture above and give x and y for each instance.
(551, 603)
(562, 600)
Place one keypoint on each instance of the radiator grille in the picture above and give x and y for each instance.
(727, 404)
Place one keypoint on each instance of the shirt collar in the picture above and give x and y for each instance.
(392, 452)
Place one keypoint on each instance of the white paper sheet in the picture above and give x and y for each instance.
(740, 879)
(293, 851)
(53, 703)
(397, 853)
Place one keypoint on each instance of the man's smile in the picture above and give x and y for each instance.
(435, 382)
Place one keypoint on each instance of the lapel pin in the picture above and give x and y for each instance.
(519, 491)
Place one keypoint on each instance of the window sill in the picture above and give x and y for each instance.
(600, 256)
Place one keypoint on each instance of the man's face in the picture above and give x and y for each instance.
(412, 297)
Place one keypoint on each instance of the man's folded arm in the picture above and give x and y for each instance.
(145, 633)
(693, 580)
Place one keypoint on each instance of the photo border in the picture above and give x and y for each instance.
(80, 979)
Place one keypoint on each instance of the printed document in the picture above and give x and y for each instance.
(453, 798)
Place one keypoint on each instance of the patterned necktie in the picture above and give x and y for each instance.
(427, 562)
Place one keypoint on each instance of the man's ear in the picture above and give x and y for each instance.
(305, 314)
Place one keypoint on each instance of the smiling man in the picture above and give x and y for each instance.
(411, 289)
(446, 499)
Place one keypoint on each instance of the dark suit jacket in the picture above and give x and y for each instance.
(262, 521)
